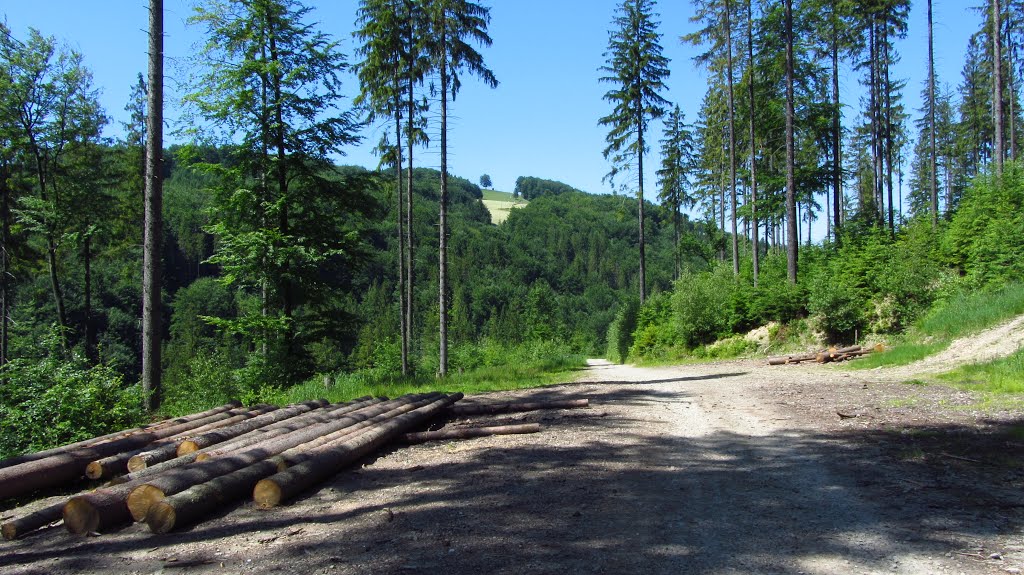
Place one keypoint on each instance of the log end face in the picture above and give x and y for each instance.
(94, 470)
(141, 499)
(161, 517)
(10, 531)
(267, 494)
(136, 463)
(203, 457)
(80, 516)
(187, 446)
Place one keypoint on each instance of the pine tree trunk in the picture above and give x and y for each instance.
(153, 226)
(5, 237)
(732, 141)
(442, 255)
(400, 195)
(933, 177)
(410, 261)
(755, 251)
(837, 132)
(640, 210)
(889, 141)
(284, 224)
(792, 240)
(997, 87)
(90, 328)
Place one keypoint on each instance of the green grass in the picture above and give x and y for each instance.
(969, 313)
(497, 196)
(1001, 376)
(484, 379)
(961, 315)
(900, 354)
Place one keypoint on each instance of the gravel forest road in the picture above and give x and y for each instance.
(729, 467)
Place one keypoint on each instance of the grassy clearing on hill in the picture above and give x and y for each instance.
(500, 204)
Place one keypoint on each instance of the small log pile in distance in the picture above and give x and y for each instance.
(828, 355)
(177, 472)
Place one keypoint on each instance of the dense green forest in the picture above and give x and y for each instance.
(281, 267)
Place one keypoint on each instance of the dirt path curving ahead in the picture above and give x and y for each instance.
(732, 467)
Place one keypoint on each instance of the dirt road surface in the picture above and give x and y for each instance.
(722, 468)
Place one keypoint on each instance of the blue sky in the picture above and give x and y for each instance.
(540, 121)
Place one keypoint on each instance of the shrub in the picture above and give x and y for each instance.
(702, 306)
(620, 331)
(837, 306)
(57, 400)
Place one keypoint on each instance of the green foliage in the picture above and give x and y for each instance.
(838, 306)
(60, 399)
(702, 303)
(621, 329)
(985, 240)
(655, 331)
(528, 188)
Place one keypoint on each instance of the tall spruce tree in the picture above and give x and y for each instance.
(381, 78)
(637, 71)
(674, 175)
(265, 79)
(452, 25)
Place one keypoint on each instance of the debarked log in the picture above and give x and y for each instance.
(468, 432)
(512, 407)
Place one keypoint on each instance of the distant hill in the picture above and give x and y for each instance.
(499, 204)
(529, 188)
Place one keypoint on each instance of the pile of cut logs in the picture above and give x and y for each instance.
(176, 472)
(828, 355)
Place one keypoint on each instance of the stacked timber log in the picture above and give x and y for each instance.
(175, 473)
(828, 355)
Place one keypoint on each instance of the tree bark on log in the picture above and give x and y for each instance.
(289, 426)
(496, 408)
(142, 497)
(10, 462)
(468, 433)
(28, 523)
(118, 464)
(192, 504)
(69, 466)
(199, 441)
(328, 460)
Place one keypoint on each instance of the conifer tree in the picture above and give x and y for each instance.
(637, 70)
(452, 25)
(674, 175)
(153, 225)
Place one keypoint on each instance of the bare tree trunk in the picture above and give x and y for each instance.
(640, 208)
(997, 87)
(153, 226)
(410, 262)
(933, 184)
(442, 255)
(5, 284)
(837, 131)
(90, 329)
(889, 140)
(732, 140)
(792, 240)
(400, 195)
